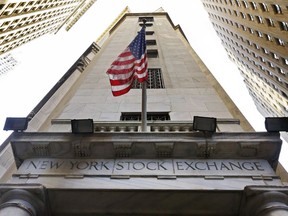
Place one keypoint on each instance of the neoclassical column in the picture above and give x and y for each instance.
(19, 202)
(266, 202)
(17, 208)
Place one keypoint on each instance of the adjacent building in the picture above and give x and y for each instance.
(255, 35)
(23, 21)
(84, 151)
(7, 63)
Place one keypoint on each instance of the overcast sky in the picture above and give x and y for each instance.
(46, 59)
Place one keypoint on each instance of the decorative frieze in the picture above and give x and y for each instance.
(164, 150)
(148, 145)
(147, 167)
(122, 150)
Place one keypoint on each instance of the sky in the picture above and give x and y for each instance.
(44, 60)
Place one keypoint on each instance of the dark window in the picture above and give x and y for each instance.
(276, 9)
(245, 4)
(283, 26)
(151, 116)
(270, 22)
(263, 7)
(152, 53)
(148, 19)
(253, 5)
(149, 32)
(154, 81)
(147, 24)
(150, 42)
(279, 41)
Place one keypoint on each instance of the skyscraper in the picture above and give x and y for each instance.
(7, 63)
(23, 21)
(254, 34)
(84, 152)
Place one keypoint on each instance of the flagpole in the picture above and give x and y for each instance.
(144, 108)
(144, 101)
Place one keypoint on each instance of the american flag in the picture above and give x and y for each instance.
(130, 64)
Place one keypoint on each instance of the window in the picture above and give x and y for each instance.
(243, 15)
(275, 56)
(263, 7)
(271, 64)
(245, 4)
(12, 5)
(259, 19)
(260, 34)
(251, 18)
(151, 53)
(148, 19)
(238, 3)
(280, 70)
(269, 37)
(283, 26)
(253, 5)
(149, 32)
(276, 9)
(150, 42)
(279, 41)
(151, 116)
(251, 30)
(270, 22)
(154, 81)
(147, 24)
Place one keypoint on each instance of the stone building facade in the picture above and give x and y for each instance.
(117, 169)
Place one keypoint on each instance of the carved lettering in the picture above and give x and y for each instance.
(258, 166)
(179, 165)
(213, 165)
(248, 166)
(139, 167)
(94, 165)
(104, 165)
(153, 165)
(56, 165)
(73, 163)
(233, 165)
(31, 163)
(202, 166)
(161, 166)
(44, 165)
(119, 166)
(223, 166)
(189, 166)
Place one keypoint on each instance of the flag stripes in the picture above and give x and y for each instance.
(130, 64)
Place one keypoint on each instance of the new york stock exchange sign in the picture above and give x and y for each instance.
(146, 167)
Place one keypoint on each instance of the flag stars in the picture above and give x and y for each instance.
(138, 45)
(130, 64)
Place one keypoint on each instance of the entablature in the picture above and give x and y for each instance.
(146, 145)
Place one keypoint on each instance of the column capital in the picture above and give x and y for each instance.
(260, 200)
(29, 198)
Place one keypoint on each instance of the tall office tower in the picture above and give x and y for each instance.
(85, 152)
(7, 63)
(255, 36)
(23, 21)
(77, 15)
